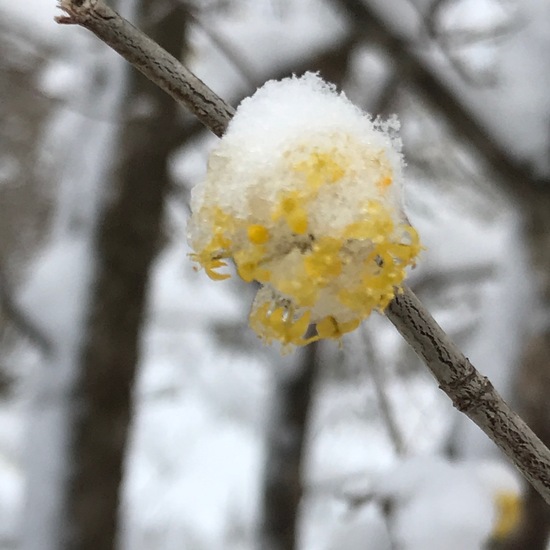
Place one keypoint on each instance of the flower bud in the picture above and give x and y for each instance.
(304, 195)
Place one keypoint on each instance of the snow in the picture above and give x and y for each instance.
(365, 529)
(11, 472)
(462, 515)
(475, 15)
(199, 467)
(292, 114)
(52, 296)
(200, 489)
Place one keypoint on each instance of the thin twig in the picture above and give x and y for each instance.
(19, 318)
(153, 61)
(470, 392)
(379, 381)
(225, 46)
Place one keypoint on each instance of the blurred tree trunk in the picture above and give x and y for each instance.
(285, 452)
(126, 240)
(533, 378)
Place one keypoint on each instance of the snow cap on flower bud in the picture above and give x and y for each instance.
(303, 193)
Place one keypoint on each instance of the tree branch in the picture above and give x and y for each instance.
(379, 381)
(470, 392)
(19, 318)
(148, 57)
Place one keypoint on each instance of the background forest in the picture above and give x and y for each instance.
(126, 374)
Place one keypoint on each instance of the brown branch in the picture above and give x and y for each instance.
(470, 392)
(149, 58)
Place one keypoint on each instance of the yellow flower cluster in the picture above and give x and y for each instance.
(509, 509)
(317, 223)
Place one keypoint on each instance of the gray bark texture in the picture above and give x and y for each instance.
(146, 55)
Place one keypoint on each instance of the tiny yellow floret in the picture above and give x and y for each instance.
(385, 182)
(509, 508)
(257, 234)
(320, 168)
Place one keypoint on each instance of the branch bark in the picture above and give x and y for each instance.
(470, 392)
(152, 60)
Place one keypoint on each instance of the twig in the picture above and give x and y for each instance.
(470, 392)
(19, 318)
(379, 381)
(153, 61)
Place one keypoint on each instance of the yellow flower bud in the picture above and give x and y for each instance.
(303, 193)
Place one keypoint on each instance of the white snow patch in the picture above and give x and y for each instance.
(53, 296)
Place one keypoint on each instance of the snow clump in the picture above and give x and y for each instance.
(304, 195)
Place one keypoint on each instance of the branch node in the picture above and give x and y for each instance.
(76, 11)
(468, 392)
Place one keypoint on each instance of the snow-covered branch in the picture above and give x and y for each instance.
(471, 393)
